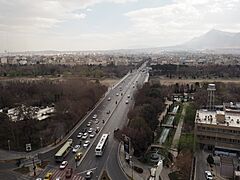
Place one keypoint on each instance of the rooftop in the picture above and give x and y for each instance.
(221, 118)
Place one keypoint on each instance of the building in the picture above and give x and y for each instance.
(219, 130)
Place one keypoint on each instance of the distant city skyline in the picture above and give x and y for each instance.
(30, 25)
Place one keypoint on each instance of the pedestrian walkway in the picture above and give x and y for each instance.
(177, 134)
(127, 169)
(57, 173)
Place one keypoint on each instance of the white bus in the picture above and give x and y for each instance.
(60, 155)
(101, 145)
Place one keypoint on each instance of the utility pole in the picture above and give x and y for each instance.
(34, 167)
(9, 145)
(41, 142)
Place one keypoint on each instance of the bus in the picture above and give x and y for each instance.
(101, 145)
(60, 155)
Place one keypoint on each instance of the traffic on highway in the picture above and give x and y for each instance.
(91, 149)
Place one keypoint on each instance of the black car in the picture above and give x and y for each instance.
(84, 130)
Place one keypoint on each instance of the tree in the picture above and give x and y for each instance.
(210, 159)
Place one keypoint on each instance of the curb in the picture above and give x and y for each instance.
(120, 162)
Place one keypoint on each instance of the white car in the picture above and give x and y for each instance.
(89, 174)
(89, 124)
(127, 102)
(86, 144)
(79, 135)
(92, 135)
(128, 96)
(109, 99)
(63, 164)
(208, 175)
(85, 136)
(117, 94)
(76, 148)
(94, 116)
(90, 130)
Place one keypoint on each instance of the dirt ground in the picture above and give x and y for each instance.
(165, 81)
(109, 82)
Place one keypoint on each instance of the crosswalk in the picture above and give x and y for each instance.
(57, 173)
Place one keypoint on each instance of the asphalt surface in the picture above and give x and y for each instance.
(117, 118)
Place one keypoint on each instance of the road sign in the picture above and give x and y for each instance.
(28, 147)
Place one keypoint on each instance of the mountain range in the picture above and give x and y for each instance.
(212, 40)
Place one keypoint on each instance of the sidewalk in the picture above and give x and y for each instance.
(128, 171)
(179, 129)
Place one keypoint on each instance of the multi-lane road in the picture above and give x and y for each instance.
(115, 103)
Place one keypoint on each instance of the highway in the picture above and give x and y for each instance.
(117, 118)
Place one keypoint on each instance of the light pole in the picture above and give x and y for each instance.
(41, 142)
(8, 144)
(131, 164)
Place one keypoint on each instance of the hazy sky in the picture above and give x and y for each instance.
(110, 24)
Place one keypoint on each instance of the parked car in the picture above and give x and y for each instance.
(63, 164)
(127, 101)
(89, 175)
(109, 99)
(69, 173)
(94, 116)
(208, 175)
(76, 148)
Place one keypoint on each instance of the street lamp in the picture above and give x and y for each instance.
(131, 164)
(41, 142)
(8, 144)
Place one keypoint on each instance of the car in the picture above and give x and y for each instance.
(89, 124)
(85, 136)
(86, 144)
(79, 135)
(76, 148)
(208, 175)
(117, 94)
(78, 156)
(127, 101)
(109, 99)
(38, 178)
(97, 129)
(108, 112)
(70, 140)
(63, 164)
(84, 130)
(68, 173)
(58, 178)
(97, 121)
(90, 130)
(92, 135)
(89, 174)
(48, 176)
(128, 96)
(94, 116)
(133, 86)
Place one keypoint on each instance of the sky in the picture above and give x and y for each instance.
(33, 25)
